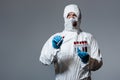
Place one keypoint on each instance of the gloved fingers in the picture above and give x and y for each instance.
(85, 59)
(57, 41)
(57, 38)
(78, 50)
(55, 45)
(82, 54)
(54, 40)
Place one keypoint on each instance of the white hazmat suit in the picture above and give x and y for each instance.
(68, 65)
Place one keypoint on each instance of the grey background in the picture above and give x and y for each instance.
(25, 25)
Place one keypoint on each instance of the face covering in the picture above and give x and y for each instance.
(71, 24)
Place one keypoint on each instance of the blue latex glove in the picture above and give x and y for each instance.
(57, 41)
(83, 55)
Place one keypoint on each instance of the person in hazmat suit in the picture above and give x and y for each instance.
(73, 52)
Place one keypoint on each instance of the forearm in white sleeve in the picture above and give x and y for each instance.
(48, 53)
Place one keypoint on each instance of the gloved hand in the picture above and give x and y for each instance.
(57, 41)
(83, 55)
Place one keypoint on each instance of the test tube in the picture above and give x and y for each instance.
(86, 46)
(83, 49)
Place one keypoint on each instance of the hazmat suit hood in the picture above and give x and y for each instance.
(69, 22)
